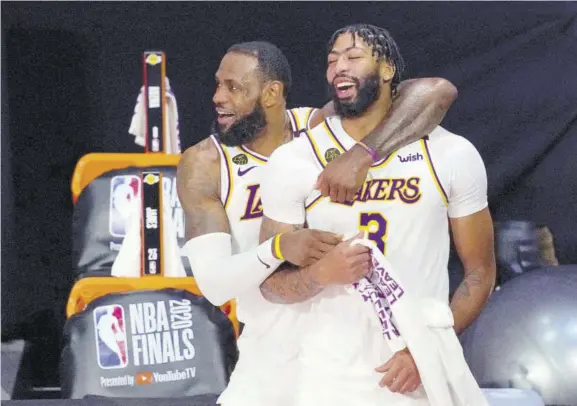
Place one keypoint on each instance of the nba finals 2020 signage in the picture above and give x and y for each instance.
(144, 343)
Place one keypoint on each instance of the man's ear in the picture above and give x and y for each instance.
(387, 71)
(272, 93)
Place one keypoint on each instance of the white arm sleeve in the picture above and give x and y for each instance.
(288, 180)
(222, 276)
(468, 182)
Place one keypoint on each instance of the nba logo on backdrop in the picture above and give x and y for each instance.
(123, 191)
(111, 342)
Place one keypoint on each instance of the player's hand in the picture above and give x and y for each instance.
(345, 264)
(305, 247)
(345, 175)
(401, 373)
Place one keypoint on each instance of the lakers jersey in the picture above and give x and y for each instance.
(241, 171)
(404, 206)
(256, 379)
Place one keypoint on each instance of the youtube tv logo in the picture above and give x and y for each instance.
(144, 378)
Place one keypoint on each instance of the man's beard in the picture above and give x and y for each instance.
(243, 130)
(367, 94)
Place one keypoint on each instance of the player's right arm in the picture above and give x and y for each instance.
(418, 108)
(339, 265)
(284, 188)
(220, 275)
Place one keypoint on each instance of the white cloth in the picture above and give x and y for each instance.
(128, 261)
(138, 123)
(426, 325)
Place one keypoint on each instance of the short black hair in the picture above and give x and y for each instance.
(272, 63)
(382, 43)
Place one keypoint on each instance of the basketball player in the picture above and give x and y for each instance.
(218, 187)
(406, 205)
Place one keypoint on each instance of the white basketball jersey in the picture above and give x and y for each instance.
(403, 208)
(257, 380)
(241, 171)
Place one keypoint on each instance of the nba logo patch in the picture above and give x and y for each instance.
(123, 190)
(111, 342)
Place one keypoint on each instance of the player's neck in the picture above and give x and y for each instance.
(277, 132)
(361, 126)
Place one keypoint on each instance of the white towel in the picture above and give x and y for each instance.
(138, 123)
(128, 261)
(426, 325)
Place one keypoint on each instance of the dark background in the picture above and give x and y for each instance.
(71, 73)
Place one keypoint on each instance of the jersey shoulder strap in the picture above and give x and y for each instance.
(300, 118)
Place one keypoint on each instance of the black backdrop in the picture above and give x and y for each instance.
(73, 70)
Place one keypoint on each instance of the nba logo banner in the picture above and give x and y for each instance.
(123, 191)
(111, 342)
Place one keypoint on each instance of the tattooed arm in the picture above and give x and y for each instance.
(220, 275)
(473, 236)
(463, 173)
(289, 284)
(337, 265)
(198, 186)
(287, 181)
(419, 106)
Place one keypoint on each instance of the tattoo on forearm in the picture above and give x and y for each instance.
(267, 229)
(270, 228)
(472, 281)
(290, 284)
(413, 114)
(469, 298)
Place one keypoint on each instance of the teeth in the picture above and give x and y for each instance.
(344, 85)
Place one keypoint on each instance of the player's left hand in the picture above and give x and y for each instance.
(344, 176)
(401, 373)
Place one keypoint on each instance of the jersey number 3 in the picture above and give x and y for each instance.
(376, 226)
